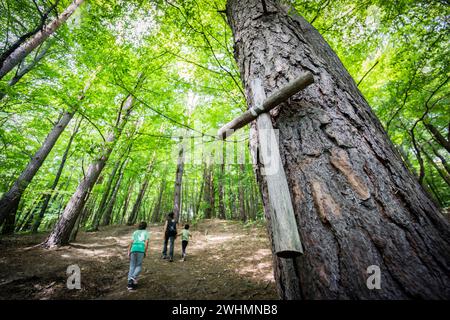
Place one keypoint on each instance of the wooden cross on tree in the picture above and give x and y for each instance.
(286, 237)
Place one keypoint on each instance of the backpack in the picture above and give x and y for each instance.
(171, 228)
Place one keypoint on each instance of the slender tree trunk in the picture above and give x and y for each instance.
(74, 233)
(221, 189)
(61, 232)
(46, 198)
(14, 58)
(443, 160)
(444, 175)
(178, 183)
(200, 194)
(406, 160)
(23, 70)
(127, 200)
(105, 195)
(355, 202)
(253, 200)
(207, 191)
(157, 209)
(28, 217)
(88, 209)
(433, 191)
(10, 200)
(112, 200)
(137, 205)
(242, 215)
(212, 193)
(439, 138)
(232, 199)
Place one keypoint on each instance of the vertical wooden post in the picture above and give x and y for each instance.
(286, 237)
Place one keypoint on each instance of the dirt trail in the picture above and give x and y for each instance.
(225, 261)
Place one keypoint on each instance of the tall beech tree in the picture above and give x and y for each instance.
(356, 204)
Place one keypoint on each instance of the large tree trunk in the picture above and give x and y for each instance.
(19, 53)
(10, 200)
(46, 198)
(61, 232)
(355, 202)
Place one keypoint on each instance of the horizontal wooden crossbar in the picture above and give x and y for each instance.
(271, 102)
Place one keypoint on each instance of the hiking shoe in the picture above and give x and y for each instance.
(164, 257)
(135, 282)
(130, 285)
(171, 260)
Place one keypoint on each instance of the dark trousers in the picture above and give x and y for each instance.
(184, 244)
(169, 240)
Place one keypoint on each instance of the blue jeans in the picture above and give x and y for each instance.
(135, 265)
(171, 241)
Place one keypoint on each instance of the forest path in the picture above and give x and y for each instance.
(225, 260)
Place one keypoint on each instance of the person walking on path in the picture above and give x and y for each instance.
(170, 233)
(137, 251)
(185, 235)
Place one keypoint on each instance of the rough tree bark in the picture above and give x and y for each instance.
(61, 232)
(355, 202)
(19, 53)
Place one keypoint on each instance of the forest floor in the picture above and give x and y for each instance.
(225, 260)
